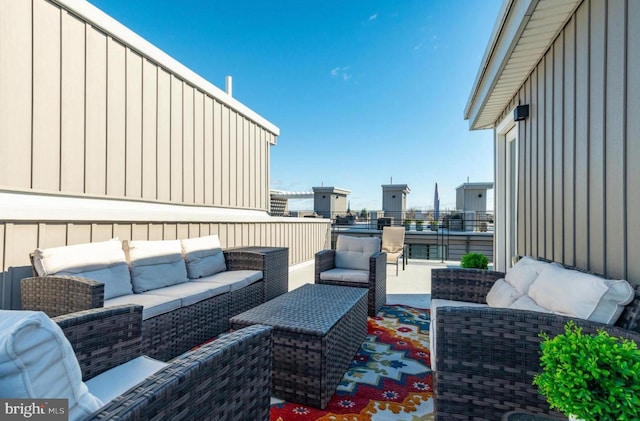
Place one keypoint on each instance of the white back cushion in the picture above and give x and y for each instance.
(581, 294)
(502, 294)
(37, 362)
(102, 261)
(354, 252)
(523, 273)
(156, 264)
(204, 256)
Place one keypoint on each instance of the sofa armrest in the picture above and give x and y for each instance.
(229, 378)
(56, 295)
(471, 285)
(103, 338)
(324, 260)
(486, 359)
(272, 261)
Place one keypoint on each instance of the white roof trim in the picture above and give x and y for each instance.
(109, 25)
(27, 206)
(522, 35)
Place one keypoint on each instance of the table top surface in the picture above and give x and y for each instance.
(312, 309)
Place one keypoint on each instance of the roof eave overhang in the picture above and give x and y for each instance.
(523, 33)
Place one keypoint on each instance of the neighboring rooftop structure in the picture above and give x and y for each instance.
(330, 201)
(472, 196)
(394, 199)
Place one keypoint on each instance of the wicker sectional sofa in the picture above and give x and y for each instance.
(486, 357)
(184, 302)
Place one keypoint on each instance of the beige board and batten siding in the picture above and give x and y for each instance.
(578, 181)
(90, 111)
(83, 112)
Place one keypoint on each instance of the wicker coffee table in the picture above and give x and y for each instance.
(317, 330)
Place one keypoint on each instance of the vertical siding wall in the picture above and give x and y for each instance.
(89, 110)
(578, 172)
(83, 113)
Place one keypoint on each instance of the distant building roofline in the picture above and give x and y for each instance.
(404, 187)
(479, 185)
(336, 190)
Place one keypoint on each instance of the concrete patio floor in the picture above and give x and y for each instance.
(411, 287)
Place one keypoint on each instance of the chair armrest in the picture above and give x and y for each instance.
(470, 285)
(229, 378)
(325, 260)
(378, 267)
(56, 295)
(486, 359)
(103, 338)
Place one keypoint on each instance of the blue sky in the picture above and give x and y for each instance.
(363, 91)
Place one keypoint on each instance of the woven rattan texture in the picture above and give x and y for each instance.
(57, 295)
(170, 334)
(487, 357)
(103, 338)
(377, 285)
(317, 331)
(471, 285)
(272, 261)
(246, 298)
(228, 379)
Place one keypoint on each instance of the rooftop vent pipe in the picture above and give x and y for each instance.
(229, 85)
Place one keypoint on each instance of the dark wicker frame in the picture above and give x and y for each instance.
(377, 285)
(486, 358)
(170, 334)
(324, 328)
(229, 378)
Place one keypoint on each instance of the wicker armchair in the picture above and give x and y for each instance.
(228, 379)
(486, 357)
(376, 282)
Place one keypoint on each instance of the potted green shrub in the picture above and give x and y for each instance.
(434, 225)
(419, 224)
(590, 377)
(407, 224)
(474, 261)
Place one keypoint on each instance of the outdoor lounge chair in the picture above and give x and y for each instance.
(107, 378)
(356, 262)
(486, 357)
(393, 245)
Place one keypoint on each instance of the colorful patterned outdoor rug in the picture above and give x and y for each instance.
(389, 378)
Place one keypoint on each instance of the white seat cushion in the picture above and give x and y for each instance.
(348, 275)
(203, 256)
(152, 305)
(155, 264)
(102, 261)
(192, 292)
(112, 383)
(581, 294)
(355, 252)
(37, 362)
(235, 279)
(435, 304)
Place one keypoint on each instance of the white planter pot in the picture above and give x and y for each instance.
(573, 418)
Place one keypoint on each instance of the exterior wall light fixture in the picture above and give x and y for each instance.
(521, 112)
